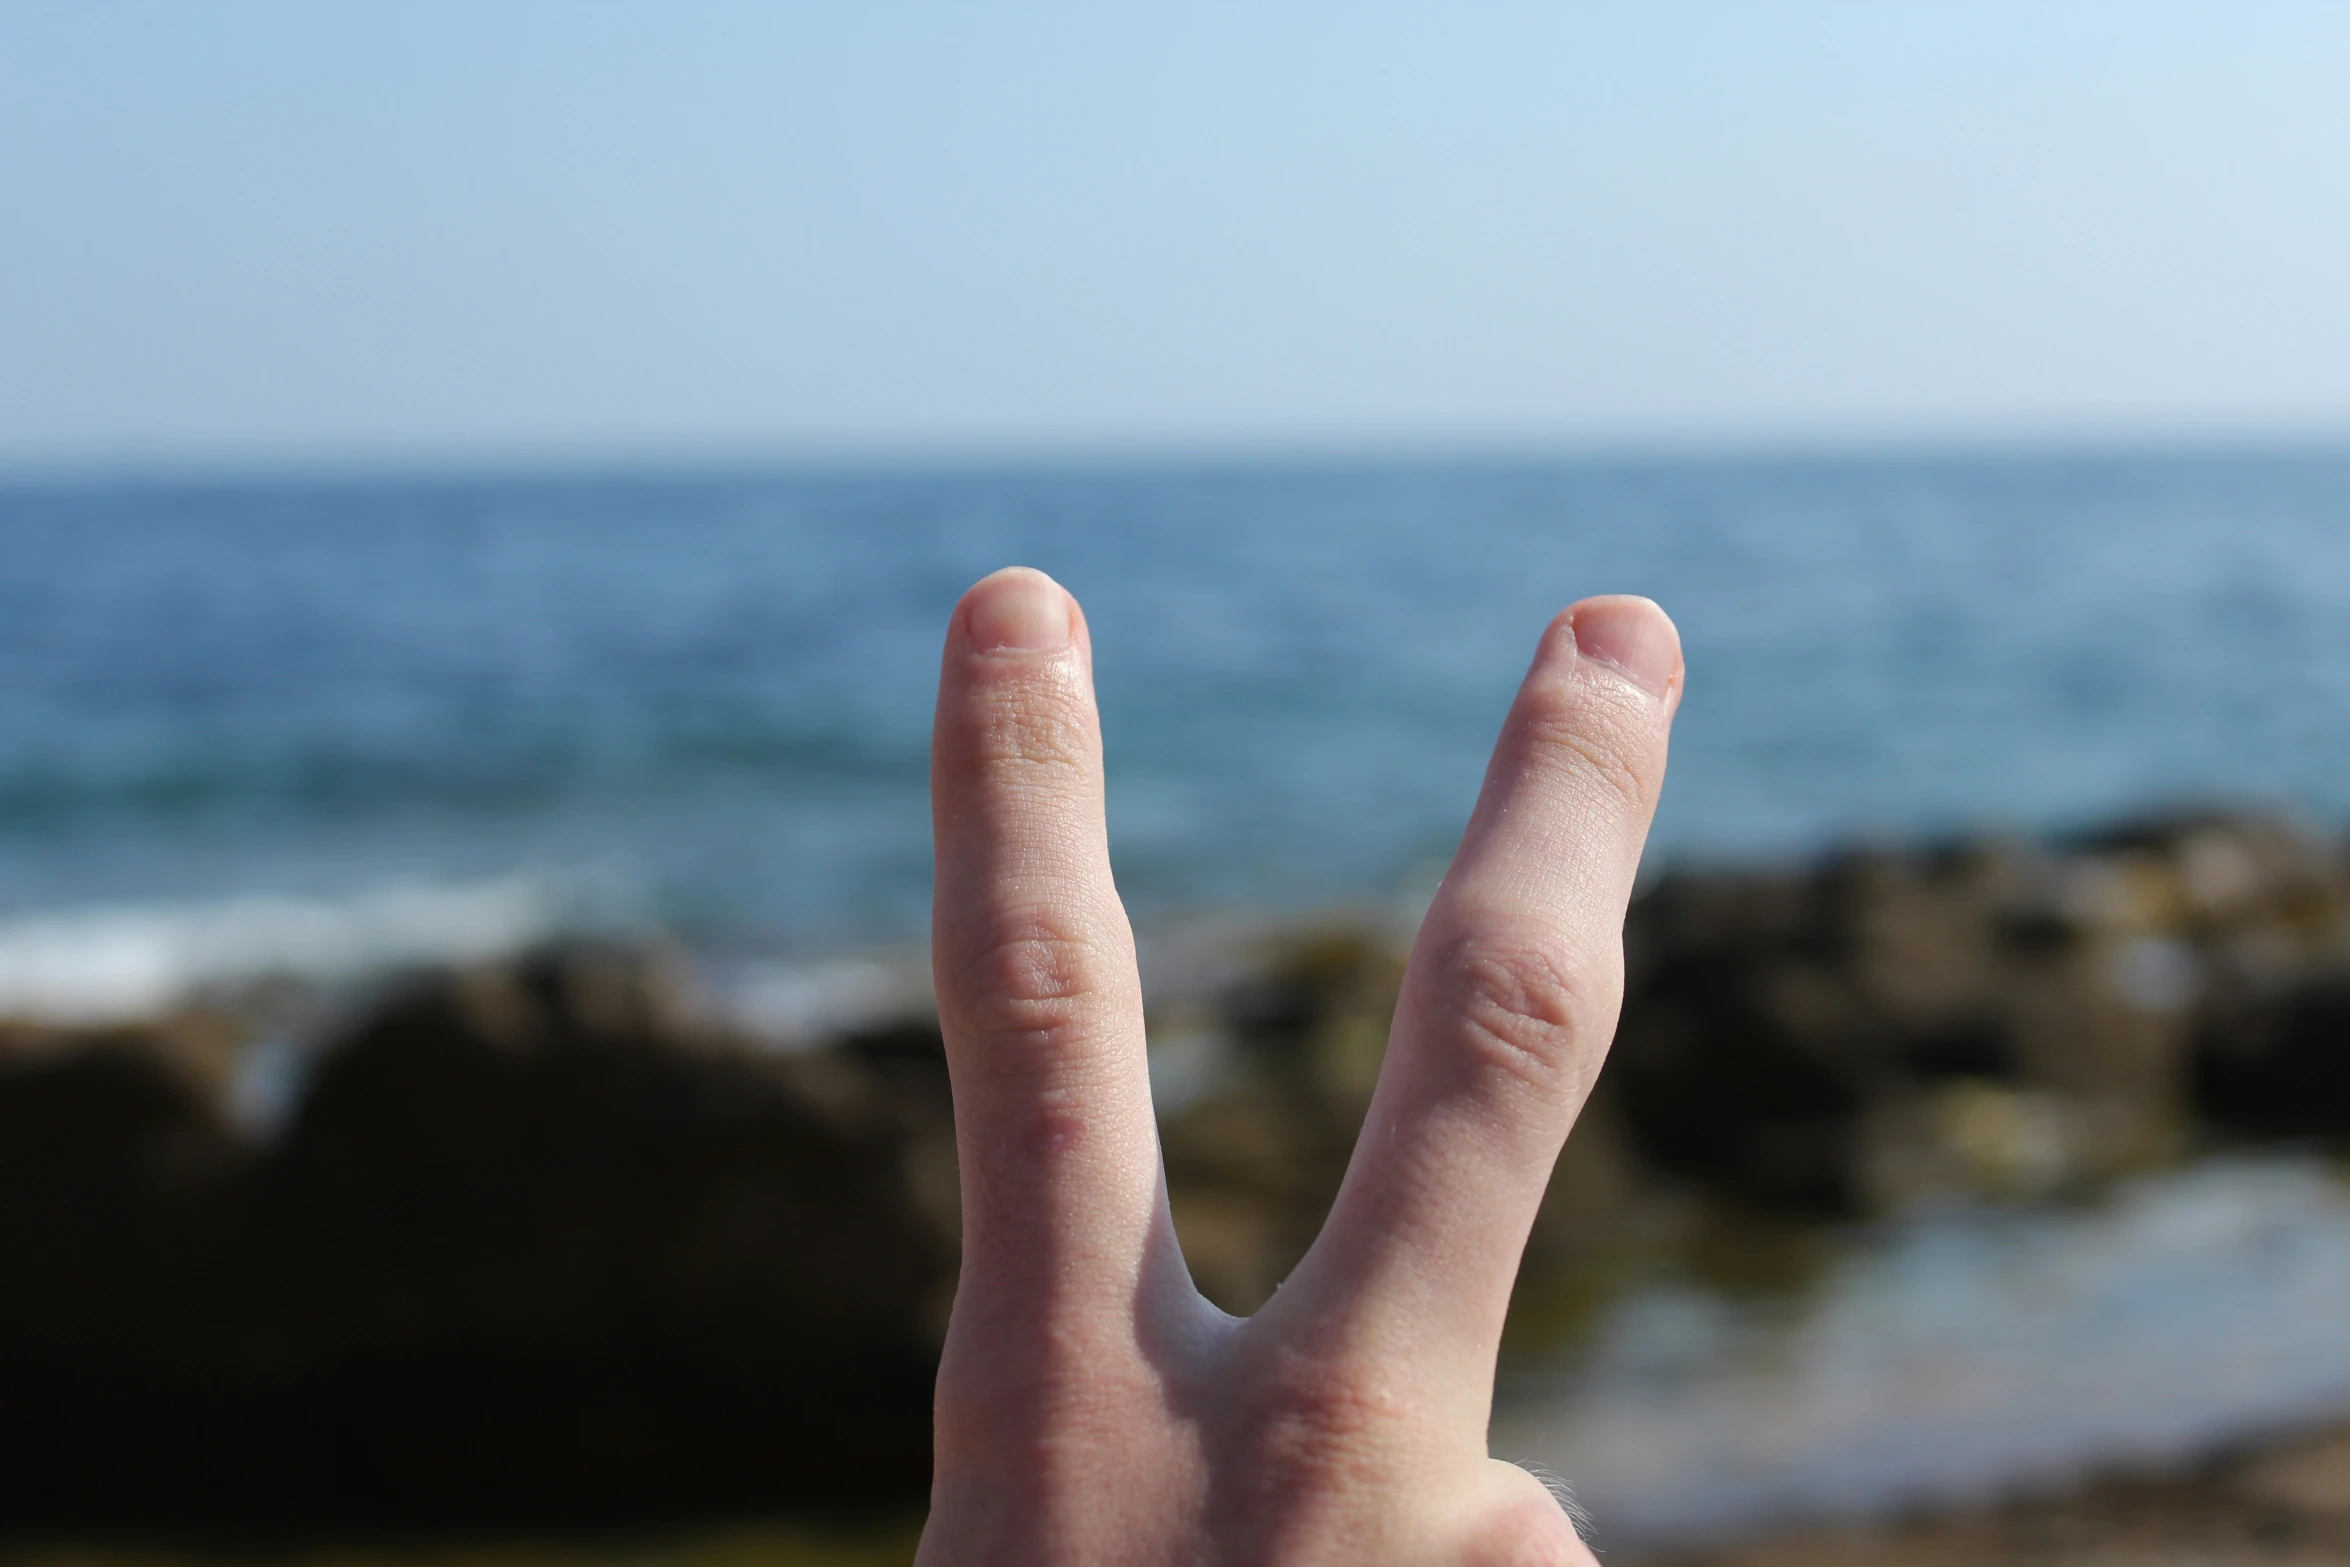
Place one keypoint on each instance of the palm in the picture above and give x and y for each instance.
(1093, 1408)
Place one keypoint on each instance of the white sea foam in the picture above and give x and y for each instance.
(108, 964)
(794, 1006)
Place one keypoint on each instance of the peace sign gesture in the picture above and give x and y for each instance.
(1092, 1407)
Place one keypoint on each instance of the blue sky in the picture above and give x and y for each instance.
(240, 232)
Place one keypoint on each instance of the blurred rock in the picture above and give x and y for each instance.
(2283, 1503)
(548, 1239)
(126, 1284)
(1984, 1017)
(2277, 1061)
(529, 1248)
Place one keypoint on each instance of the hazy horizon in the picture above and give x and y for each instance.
(1270, 457)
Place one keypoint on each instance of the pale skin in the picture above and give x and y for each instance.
(1093, 1409)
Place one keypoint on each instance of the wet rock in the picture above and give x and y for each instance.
(530, 1247)
(125, 1277)
(2282, 1503)
(1987, 1017)
(546, 1240)
(518, 1208)
(2278, 1063)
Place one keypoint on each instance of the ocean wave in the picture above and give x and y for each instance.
(114, 964)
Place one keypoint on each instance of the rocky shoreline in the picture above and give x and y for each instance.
(2285, 1503)
(560, 1241)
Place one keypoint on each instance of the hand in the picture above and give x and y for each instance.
(1093, 1409)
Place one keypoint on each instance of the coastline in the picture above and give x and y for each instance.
(2283, 1501)
(491, 1216)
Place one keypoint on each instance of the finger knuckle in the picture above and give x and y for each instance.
(1031, 992)
(1521, 1011)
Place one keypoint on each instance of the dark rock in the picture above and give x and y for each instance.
(125, 1281)
(520, 1209)
(2279, 1064)
(531, 1248)
(1983, 1016)
(538, 1242)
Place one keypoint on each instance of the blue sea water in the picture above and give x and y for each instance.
(311, 725)
(702, 698)
(1957, 1356)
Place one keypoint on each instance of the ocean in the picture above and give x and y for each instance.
(319, 722)
(318, 726)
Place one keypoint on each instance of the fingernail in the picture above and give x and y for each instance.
(1019, 611)
(1632, 636)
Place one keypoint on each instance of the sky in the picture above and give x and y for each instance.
(241, 232)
